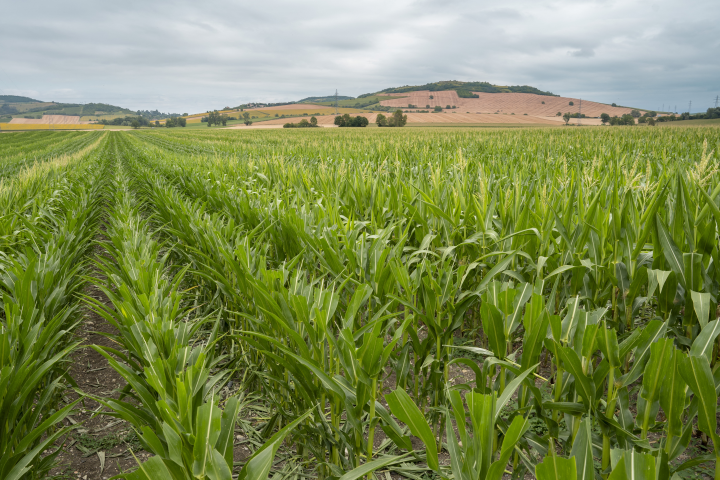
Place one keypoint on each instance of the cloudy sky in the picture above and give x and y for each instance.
(191, 56)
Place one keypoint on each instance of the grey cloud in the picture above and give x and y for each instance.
(189, 56)
(582, 52)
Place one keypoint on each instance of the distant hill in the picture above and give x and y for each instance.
(17, 99)
(14, 106)
(330, 98)
(463, 89)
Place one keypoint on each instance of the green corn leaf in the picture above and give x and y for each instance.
(174, 444)
(655, 371)
(582, 451)
(692, 263)
(207, 429)
(696, 372)
(217, 467)
(533, 340)
(655, 203)
(510, 389)
(571, 320)
(402, 406)
(224, 443)
(369, 467)
(583, 383)
(653, 331)
(703, 343)
(492, 320)
(701, 305)
(619, 472)
(672, 394)
(632, 465)
(514, 433)
(609, 345)
(501, 266)
(258, 466)
(666, 297)
(556, 468)
(152, 469)
(656, 280)
(671, 251)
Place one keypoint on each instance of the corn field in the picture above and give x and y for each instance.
(413, 303)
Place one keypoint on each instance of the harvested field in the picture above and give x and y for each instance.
(286, 110)
(50, 119)
(26, 121)
(47, 126)
(443, 118)
(517, 103)
(294, 106)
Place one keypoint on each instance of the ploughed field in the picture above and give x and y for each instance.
(341, 303)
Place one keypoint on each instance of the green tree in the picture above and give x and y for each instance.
(571, 103)
(381, 120)
(397, 119)
(642, 119)
(567, 117)
(135, 124)
(651, 122)
(313, 121)
(604, 118)
(635, 113)
(559, 114)
(181, 121)
(437, 109)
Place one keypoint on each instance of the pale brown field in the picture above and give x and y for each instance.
(50, 120)
(517, 103)
(293, 106)
(437, 118)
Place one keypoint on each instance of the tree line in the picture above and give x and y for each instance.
(303, 123)
(397, 119)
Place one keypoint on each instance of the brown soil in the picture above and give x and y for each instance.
(98, 435)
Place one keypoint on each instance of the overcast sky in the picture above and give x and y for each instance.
(191, 56)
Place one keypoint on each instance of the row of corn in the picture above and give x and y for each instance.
(431, 304)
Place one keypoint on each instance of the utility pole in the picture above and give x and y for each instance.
(689, 107)
(716, 100)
